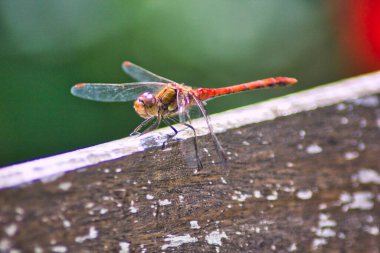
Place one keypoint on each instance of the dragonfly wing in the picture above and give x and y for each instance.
(114, 92)
(181, 103)
(141, 74)
(202, 109)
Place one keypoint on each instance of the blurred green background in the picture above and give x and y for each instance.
(46, 46)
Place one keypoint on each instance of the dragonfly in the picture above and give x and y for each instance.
(158, 99)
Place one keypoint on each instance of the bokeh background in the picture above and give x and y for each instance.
(46, 46)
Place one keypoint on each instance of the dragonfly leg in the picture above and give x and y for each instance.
(169, 136)
(143, 124)
(199, 163)
(222, 155)
(155, 125)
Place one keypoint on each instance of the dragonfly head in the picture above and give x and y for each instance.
(146, 105)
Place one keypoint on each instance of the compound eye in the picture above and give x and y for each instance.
(147, 99)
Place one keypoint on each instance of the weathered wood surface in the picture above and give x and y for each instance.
(307, 181)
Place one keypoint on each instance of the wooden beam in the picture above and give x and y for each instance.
(303, 175)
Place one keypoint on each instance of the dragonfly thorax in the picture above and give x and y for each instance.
(163, 104)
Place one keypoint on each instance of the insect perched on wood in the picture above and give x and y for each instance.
(158, 99)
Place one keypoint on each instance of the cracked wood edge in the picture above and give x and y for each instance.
(50, 168)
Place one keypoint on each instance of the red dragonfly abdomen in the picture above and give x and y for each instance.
(207, 93)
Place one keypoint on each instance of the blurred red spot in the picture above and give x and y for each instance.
(359, 24)
(81, 85)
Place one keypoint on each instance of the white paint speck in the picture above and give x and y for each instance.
(5, 245)
(325, 221)
(288, 188)
(92, 234)
(239, 196)
(317, 243)
(273, 196)
(257, 194)
(103, 211)
(351, 155)
(292, 247)
(341, 235)
(132, 207)
(215, 237)
(11, 229)
(66, 224)
(302, 134)
(313, 149)
(118, 170)
(345, 197)
(89, 205)
(325, 232)
(361, 146)
(366, 176)
(149, 197)
(322, 206)
(289, 164)
(344, 121)
(360, 200)
(19, 211)
(304, 194)
(59, 249)
(38, 249)
(194, 224)
(246, 143)
(124, 247)
(65, 186)
(340, 107)
(175, 241)
(164, 202)
(372, 230)
(369, 219)
(107, 198)
(223, 180)
(363, 123)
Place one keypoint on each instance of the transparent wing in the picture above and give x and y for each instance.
(181, 103)
(184, 117)
(115, 92)
(142, 75)
(219, 149)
